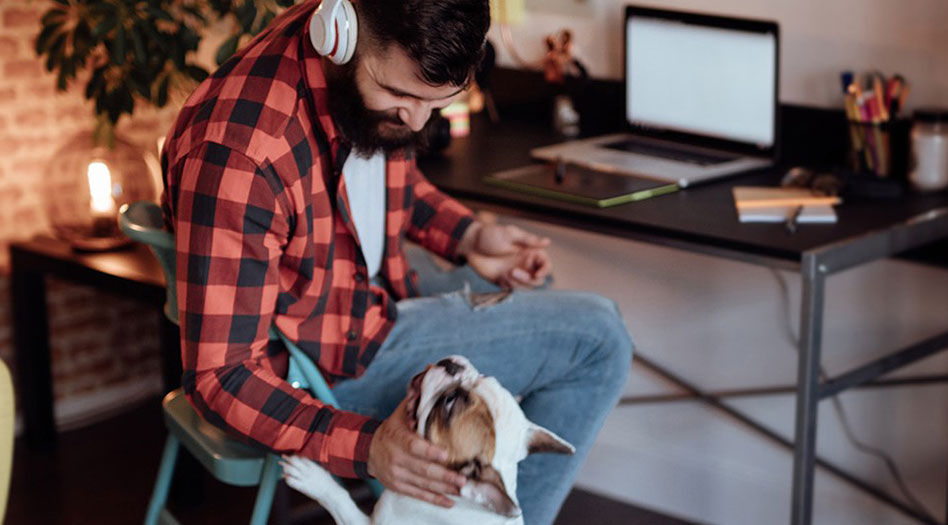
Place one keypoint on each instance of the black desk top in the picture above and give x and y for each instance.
(702, 215)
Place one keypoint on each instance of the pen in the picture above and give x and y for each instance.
(559, 171)
(792, 219)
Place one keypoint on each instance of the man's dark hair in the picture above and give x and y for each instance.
(445, 37)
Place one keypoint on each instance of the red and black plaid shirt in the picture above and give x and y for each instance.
(264, 235)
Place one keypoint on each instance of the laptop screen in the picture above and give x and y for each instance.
(702, 76)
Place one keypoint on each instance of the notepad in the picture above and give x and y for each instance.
(771, 196)
(580, 185)
(814, 213)
(777, 204)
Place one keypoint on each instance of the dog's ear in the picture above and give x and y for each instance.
(540, 439)
(412, 396)
(486, 489)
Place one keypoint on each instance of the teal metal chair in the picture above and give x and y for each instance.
(227, 459)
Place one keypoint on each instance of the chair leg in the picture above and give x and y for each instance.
(268, 482)
(160, 495)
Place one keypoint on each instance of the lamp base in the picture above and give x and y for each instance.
(93, 238)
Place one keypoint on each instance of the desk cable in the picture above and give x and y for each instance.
(857, 443)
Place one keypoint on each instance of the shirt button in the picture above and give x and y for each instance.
(351, 335)
(359, 277)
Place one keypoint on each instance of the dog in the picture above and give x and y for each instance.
(483, 429)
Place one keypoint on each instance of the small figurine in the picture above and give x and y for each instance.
(559, 62)
(558, 65)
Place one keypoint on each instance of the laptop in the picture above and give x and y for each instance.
(700, 99)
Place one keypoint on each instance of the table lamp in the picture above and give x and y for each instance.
(86, 184)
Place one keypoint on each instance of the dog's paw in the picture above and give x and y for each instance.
(305, 475)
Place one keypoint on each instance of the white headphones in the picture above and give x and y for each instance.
(334, 30)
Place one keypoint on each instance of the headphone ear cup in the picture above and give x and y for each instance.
(348, 33)
(322, 32)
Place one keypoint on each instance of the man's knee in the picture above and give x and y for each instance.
(602, 316)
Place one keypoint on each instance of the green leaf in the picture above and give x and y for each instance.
(190, 39)
(196, 72)
(155, 37)
(263, 23)
(138, 87)
(105, 25)
(69, 68)
(159, 13)
(54, 16)
(118, 49)
(161, 97)
(114, 105)
(195, 12)
(139, 47)
(56, 48)
(45, 36)
(95, 82)
(246, 14)
(61, 80)
(222, 7)
(227, 49)
(128, 101)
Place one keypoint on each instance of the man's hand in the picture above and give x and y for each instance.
(507, 255)
(406, 463)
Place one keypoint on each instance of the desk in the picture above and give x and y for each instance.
(133, 272)
(703, 219)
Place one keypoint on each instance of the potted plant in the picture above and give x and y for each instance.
(139, 50)
(130, 52)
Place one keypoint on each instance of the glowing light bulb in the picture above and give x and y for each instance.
(100, 189)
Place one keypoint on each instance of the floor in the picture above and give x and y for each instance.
(103, 474)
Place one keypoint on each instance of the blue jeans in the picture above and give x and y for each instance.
(566, 353)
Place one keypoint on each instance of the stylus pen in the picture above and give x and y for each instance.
(792, 219)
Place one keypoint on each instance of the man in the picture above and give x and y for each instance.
(291, 184)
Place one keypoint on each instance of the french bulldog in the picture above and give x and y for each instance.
(483, 429)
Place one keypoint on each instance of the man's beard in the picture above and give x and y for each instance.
(363, 127)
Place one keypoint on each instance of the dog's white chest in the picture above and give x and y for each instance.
(392, 508)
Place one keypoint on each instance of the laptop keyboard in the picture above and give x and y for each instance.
(669, 152)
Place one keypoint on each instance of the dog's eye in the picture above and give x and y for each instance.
(452, 399)
(449, 401)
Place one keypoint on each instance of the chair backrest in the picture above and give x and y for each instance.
(7, 408)
(142, 221)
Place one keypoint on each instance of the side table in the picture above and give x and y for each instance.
(132, 272)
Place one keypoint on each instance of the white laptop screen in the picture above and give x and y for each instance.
(700, 79)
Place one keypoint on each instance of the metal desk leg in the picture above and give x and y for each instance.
(31, 350)
(808, 377)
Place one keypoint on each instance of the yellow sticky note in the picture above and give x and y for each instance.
(507, 11)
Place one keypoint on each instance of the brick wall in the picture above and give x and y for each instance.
(99, 341)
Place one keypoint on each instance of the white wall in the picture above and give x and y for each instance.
(819, 38)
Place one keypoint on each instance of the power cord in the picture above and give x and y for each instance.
(857, 443)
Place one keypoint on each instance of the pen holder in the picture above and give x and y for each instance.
(870, 149)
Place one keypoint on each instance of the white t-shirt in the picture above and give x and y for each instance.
(365, 185)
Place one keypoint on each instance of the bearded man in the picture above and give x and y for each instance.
(291, 186)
